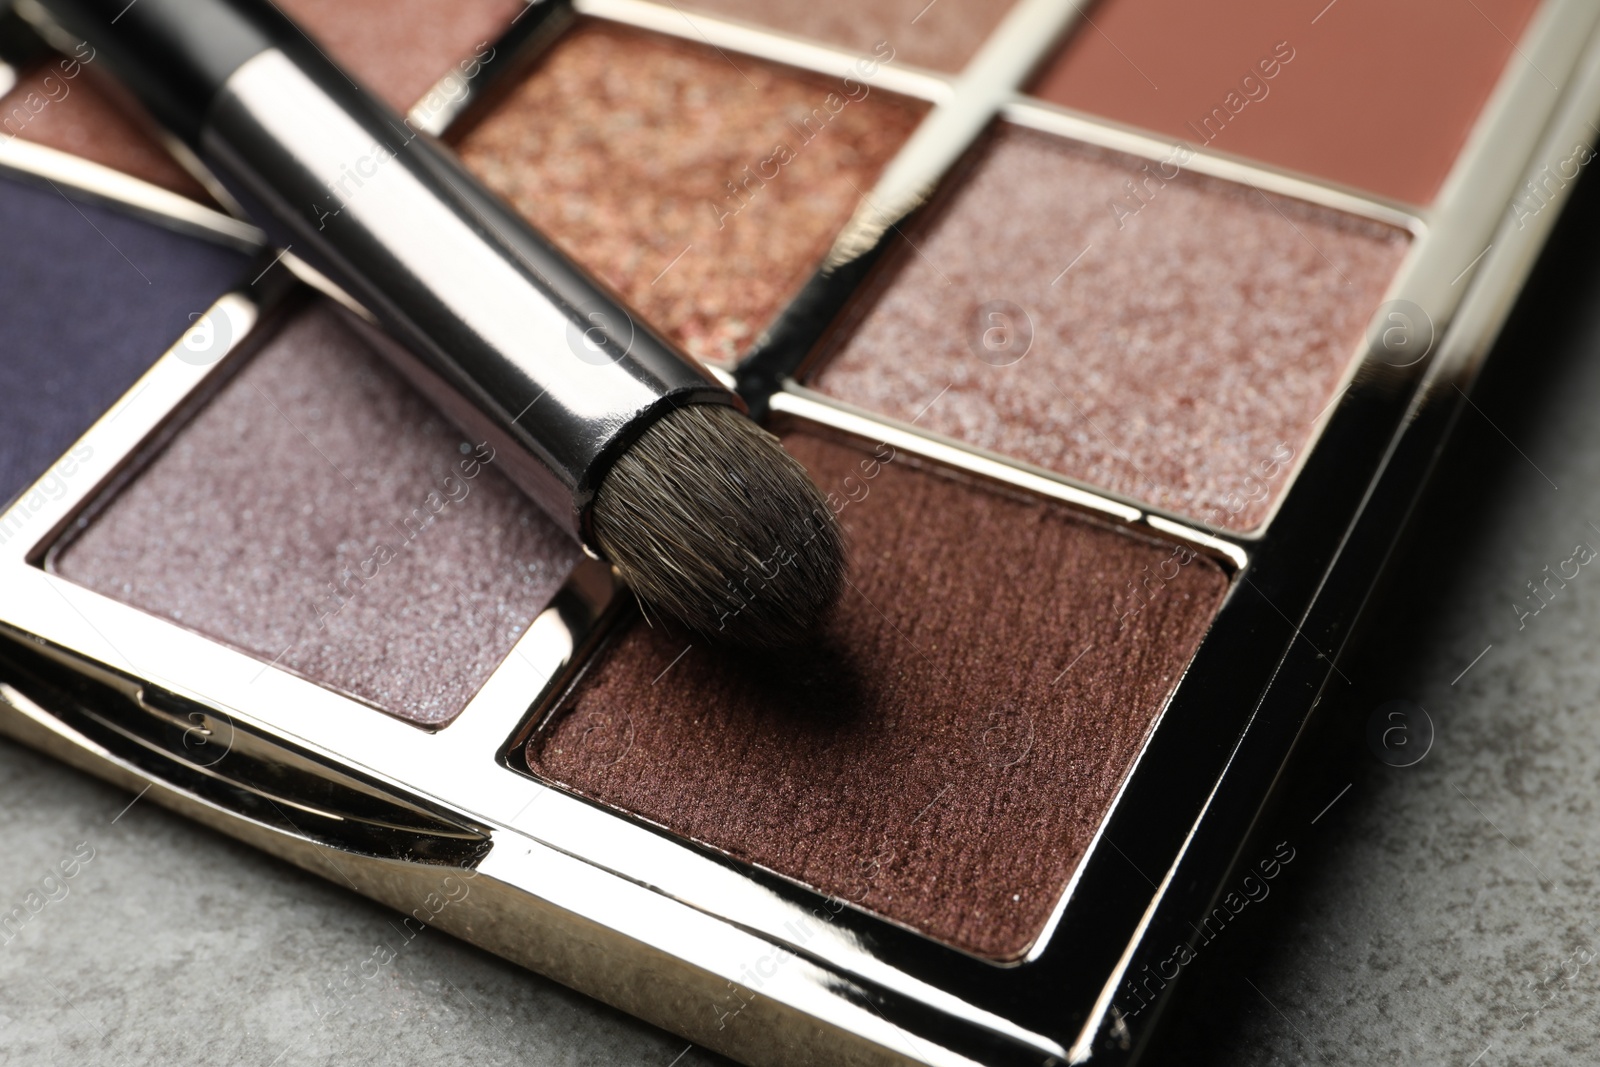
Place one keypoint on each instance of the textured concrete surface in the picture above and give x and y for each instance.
(175, 945)
(1448, 912)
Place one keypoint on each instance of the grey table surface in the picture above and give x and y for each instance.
(1440, 913)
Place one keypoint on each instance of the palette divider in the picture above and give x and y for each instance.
(783, 347)
(453, 103)
(726, 35)
(1026, 35)
(963, 107)
(42, 165)
(1502, 152)
(796, 401)
(1044, 117)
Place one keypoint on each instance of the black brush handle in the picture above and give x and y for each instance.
(514, 341)
(175, 55)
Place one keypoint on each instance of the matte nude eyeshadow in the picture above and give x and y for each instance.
(1370, 93)
(945, 752)
(941, 36)
(704, 188)
(1178, 352)
(321, 515)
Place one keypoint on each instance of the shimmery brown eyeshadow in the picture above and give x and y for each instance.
(945, 753)
(321, 515)
(1178, 352)
(942, 36)
(1356, 101)
(704, 188)
(401, 48)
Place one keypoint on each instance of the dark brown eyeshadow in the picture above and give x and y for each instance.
(321, 515)
(703, 187)
(1176, 344)
(945, 753)
(941, 35)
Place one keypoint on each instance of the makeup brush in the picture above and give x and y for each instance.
(643, 456)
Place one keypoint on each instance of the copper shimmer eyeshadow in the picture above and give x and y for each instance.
(401, 48)
(946, 751)
(703, 187)
(1344, 92)
(941, 36)
(1177, 353)
(319, 514)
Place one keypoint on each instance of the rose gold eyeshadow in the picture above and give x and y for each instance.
(941, 36)
(1176, 349)
(319, 514)
(945, 751)
(1342, 92)
(704, 188)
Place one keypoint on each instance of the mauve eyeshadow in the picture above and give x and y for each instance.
(74, 115)
(941, 36)
(89, 299)
(1376, 94)
(1180, 353)
(704, 187)
(320, 514)
(946, 751)
(400, 48)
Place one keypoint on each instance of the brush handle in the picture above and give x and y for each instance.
(508, 336)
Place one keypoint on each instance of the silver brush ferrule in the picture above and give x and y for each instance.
(499, 328)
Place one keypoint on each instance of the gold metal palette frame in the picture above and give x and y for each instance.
(662, 928)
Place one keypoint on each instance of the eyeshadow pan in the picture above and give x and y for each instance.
(1356, 100)
(320, 514)
(945, 753)
(705, 189)
(940, 36)
(401, 48)
(1178, 354)
(90, 298)
(73, 114)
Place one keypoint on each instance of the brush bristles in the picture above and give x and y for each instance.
(710, 521)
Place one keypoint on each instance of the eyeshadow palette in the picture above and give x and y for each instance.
(1120, 393)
